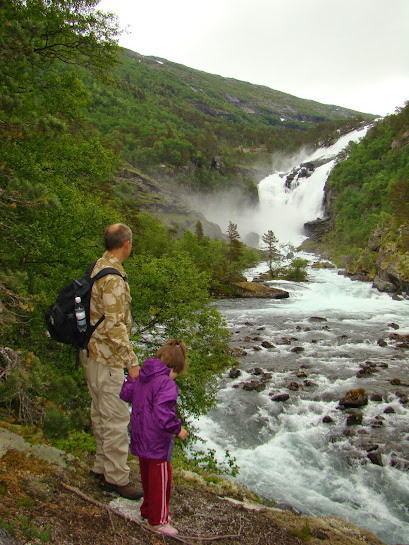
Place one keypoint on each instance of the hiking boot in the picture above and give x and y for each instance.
(166, 529)
(126, 491)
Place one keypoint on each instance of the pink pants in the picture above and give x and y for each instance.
(156, 478)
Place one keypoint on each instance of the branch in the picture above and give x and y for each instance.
(143, 525)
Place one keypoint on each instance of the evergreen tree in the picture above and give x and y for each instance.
(199, 231)
(235, 247)
(270, 241)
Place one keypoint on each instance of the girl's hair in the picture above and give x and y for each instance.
(173, 354)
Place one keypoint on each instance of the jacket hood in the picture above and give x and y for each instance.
(152, 368)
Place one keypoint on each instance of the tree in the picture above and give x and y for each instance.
(199, 231)
(235, 247)
(270, 241)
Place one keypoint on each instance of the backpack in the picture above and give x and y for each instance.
(60, 316)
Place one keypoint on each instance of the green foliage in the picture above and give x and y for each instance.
(371, 186)
(56, 423)
(77, 442)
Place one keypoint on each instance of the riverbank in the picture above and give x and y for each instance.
(49, 497)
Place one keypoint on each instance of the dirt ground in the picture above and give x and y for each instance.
(36, 508)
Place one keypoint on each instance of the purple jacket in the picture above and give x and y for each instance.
(153, 421)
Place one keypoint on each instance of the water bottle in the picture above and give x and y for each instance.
(80, 315)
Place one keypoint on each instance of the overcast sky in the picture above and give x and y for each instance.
(352, 53)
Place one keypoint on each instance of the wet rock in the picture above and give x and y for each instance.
(377, 422)
(395, 381)
(293, 386)
(403, 398)
(257, 338)
(399, 463)
(317, 319)
(237, 352)
(262, 328)
(257, 371)
(355, 398)
(381, 343)
(376, 397)
(267, 344)
(393, 325)
(254, 385)
(283, 340)
(328, 420)
(309, 384)
(234, 373)
(258, 348)
(280, 397)
(301, 374)
(389, 410)
(383, 364)
(247, 339)
(375, 458)
(354, 419)
(297, 349)
(399, 337)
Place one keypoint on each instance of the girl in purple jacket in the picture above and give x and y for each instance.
(153, 424)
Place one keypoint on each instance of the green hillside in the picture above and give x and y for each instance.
(204, 131)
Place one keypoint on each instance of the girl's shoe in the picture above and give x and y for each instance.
(166, 529)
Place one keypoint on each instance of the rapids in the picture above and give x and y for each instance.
(284, 449)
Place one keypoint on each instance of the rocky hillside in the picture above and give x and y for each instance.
(48, 496)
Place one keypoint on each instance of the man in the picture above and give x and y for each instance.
(109, 353)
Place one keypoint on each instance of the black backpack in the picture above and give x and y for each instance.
(60, 317)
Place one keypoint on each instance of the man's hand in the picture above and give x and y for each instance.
(133, 372)
(182, 434)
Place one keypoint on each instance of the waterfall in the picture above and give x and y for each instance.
(291, 197)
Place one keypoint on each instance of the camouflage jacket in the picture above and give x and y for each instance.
(111, 297)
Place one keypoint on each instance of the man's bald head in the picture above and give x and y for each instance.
(116, 235)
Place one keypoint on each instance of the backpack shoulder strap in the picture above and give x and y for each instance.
(105, 272)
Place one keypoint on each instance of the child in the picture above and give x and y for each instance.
(153, 423)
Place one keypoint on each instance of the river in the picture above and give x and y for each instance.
(322, 335)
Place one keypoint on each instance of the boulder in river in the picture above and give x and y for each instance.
(355, 398)
(254, 289)
(354, 419)
(280, 397)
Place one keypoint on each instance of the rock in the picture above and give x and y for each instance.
(267, 344)
(355, 398)
(297, 349)
(328, 420)
(309, 383)
(256, 385)
(316, 319)
(395, 381)
(381, 343)
(257, 348)
(280, 397)
(393, 325)
(301, 374)
(354, 419)
(375, 458)
(389, 410)
(257, 371)
(254, 289)
(283, 340)
(237, 352)
(293, 386)
(234, 373)
(399, 463)
(382, 285)
(376, 397)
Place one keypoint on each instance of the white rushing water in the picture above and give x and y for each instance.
(284, 450)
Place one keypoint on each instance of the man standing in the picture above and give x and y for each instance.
(109, 353)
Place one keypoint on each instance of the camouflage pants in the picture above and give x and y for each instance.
(110, 419)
